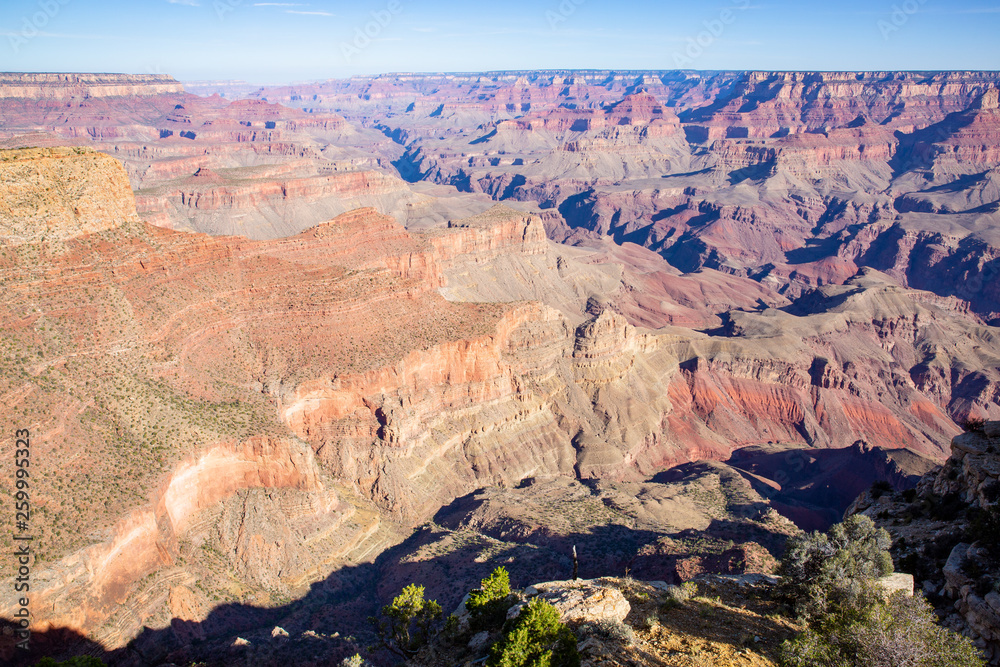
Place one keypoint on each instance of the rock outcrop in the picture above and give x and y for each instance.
(59, 193)
(945, 531)
(580, 601)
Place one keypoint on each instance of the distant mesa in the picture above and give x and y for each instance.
(63, 86)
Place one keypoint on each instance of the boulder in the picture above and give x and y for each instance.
(479, 641)
(462, 614)
(955, 578)
(582, 600)
(993, 600)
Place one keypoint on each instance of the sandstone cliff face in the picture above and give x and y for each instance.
(629, 403)
(764, 104)
(60, 193)
(63, 86)
(276, 171)
(83, 590)
(811, 170)
(165, 326)
(267, 208)
(404, 411)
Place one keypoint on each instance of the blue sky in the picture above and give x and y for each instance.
(283, 41)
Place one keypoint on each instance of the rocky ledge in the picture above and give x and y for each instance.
(947, 532)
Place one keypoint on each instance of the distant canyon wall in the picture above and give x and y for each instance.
(41, 86)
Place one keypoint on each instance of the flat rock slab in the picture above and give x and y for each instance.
(897, 582)
(582, 600)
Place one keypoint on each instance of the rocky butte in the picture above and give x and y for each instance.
(282, 355)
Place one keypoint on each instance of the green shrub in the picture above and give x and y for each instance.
(900, 631)
(75, 661)
(489, 603)
(824, 573)
(406, 624)
(451, 626)
(536, 638)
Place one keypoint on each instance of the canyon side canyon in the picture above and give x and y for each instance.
(282, 351)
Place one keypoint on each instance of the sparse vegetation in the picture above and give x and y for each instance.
(613, 630)
(948, 507)
(974, 425)
(830, 581)
(678, 595)
(900, 631)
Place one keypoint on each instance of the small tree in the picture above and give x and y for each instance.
(405, 625)
(536, 638)
(489, 603)
(836, 571)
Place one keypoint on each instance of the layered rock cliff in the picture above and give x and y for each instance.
(32, 86)
(784, 178)
(230, 424)
(318, 391)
